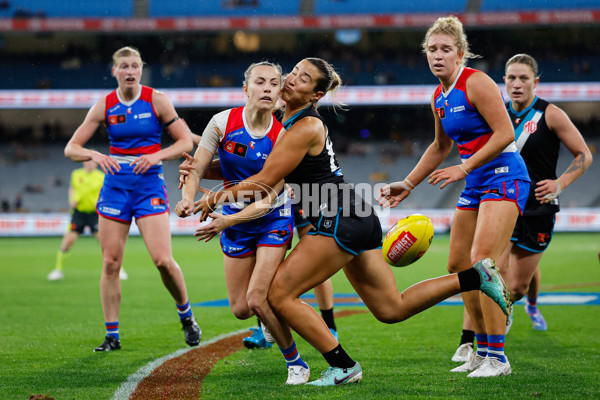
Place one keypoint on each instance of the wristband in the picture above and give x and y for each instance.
(463, 169)
(409, 183)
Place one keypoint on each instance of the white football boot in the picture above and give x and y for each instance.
(474, 362)
(297, 375)
(463, 353)
(491, 367)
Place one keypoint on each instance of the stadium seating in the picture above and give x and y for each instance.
(328, 7)
(65, 9)
(536, 5)
(222, 8)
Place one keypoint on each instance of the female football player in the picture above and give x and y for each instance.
(347, 233)
(468, 108)
(253, 248)
(134, 116)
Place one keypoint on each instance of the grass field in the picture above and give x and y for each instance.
(48, 330)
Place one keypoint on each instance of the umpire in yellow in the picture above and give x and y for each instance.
(84, 190)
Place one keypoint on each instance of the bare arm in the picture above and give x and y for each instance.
(179, 131)
(251, 212)
(199, 164)
(484, 95)
(74, 148)
(306, 136)
(562, 126)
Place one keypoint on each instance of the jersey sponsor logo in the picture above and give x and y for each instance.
(440, 112)
(457, 109)
(501, 170)
(463, 201)
(530, 127)
(239, 149)
(232, 249)
(543, 238)
(110, 210)
(157, 201)
(285, 212)
(115, 108)
(117, 119)
(251, 144)
(142, 115)
(128, 110)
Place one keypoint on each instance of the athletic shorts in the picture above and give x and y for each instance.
(124, 204)
(533, 232)
(79, 220)
(236, 243)
(355, 227)
(516, 191)
(300, 219)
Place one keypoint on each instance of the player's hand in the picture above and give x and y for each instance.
(393, 193)
(206, 204)
(108, 164)
(143, 163)
(451, 174)
(184, 168)
(547, 190)
(216, 226)
(184, 208)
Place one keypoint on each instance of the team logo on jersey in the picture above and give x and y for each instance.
(157, 201)
(543, 237)
(117, 119)
(530, 127)
(440, 112)
(239, 149)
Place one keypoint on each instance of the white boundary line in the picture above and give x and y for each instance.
(129, 386)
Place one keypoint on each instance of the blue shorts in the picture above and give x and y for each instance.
(236, 243)
(124, 204)
(516, 191)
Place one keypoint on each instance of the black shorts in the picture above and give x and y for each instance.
(351, 221)
(79, 220)
(533, 232)
(300, 219)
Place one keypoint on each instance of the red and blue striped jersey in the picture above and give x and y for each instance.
(243, 154)
(465, 125)
(133, 130)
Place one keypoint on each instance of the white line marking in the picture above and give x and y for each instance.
(128, 387)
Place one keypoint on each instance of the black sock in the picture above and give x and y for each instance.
(469, 280)
(339, 358)
(328, 318)
(467, 336)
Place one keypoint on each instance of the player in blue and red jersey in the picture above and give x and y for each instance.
(134, 116)
(252, 247)
(468, 108)
(346, 232)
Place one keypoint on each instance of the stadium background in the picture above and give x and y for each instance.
(57, 57)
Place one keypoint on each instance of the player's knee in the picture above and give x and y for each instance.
(387, 316)
(111, 265)
(163, 262)
(518, 289)
(257, 301)
(454, 268)
(276, 296)
(241, 310)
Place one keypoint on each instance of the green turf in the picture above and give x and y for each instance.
(48, 330)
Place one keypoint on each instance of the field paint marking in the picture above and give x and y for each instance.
(128, 387)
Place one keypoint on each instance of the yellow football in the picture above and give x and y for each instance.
(408, 240)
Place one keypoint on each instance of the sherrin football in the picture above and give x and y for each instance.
(408, 240)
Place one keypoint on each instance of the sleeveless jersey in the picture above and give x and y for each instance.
(243, 155)
(539, 148)
(133, 130)
(314, 171)
(463, 124)
(322, 168)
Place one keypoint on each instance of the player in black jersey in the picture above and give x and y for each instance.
(346, 232)
(540, 128)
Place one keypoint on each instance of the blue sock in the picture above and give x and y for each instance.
(112, 329)
(496, 347)
(482, 344)
(292, 357)
(184, 311)
(531, 305)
